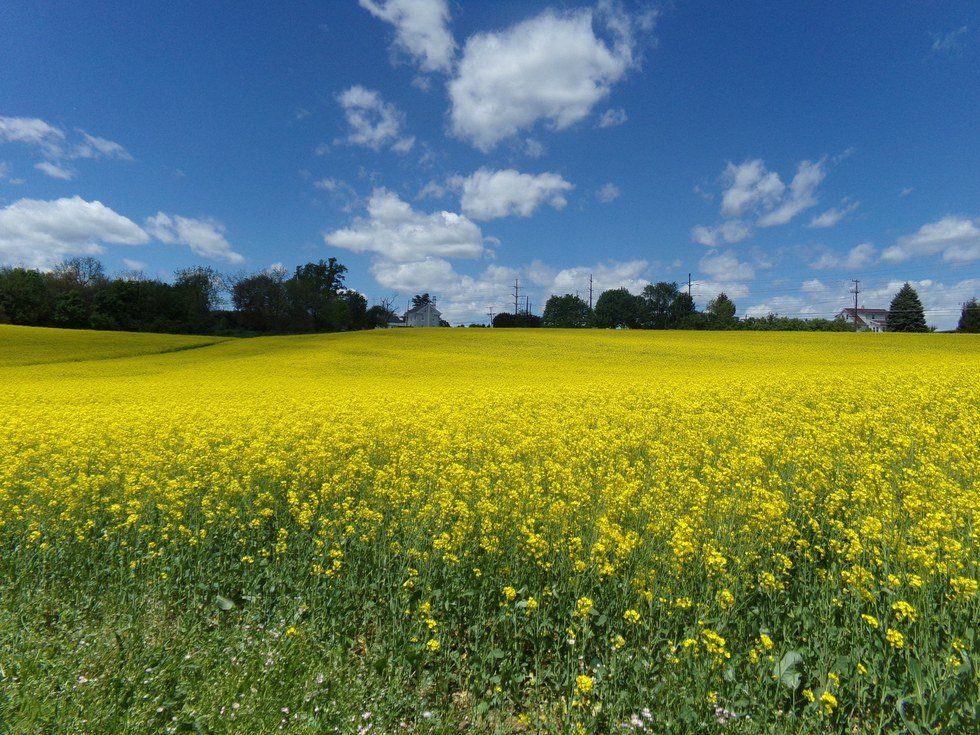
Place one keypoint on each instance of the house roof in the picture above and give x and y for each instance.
(417, 309)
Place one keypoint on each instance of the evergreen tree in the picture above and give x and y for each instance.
(721, 311)
(905, 314)
(970, 318)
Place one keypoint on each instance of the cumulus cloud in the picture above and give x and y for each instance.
(854, 259)
(957, 238)
(488, 194)
(832, 216)
(553, 67)
(373, 123)
(726, 266)
(813, 285)
(54, 170)
(612, 274)
(608, 192)
(205, 237)
(753, 191)
(613, 117)
(731, 231)
(398, 233)
(800, 197)
(40, 233)
(749, 185)
(421, 30)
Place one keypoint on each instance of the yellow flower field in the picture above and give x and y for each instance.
(537, 530)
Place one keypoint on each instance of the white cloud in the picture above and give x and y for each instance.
(856, 258)
(205, 237)
(4, 169)
(95, 147)
(395, 231)
(54, 170)
(704, 290)
(421, 29)
(373, 122)
(613, 274)
(534, 148)
(32, 131)
(801, 196)
(949, 41)
(751, 189)
(906, 191)
(726, 266)
(490, 194)
(730, 231)
(133, 265)
(613, 117)
(750, 185)
(813, 285)
(832, 216)
(608, 192)
(552, 67)
(38, 233)
(957, 238)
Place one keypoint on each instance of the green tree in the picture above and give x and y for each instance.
(313, 289)
(905, 314)
(682, 311)
(970, 317)
(618, 308)
(565, 312)
(262, 302)
(24, 296)
(421, 300)
(721, 311)
(658, 298)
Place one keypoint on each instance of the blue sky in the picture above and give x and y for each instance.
(772, 150)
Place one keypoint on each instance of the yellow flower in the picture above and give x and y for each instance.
(829, 702)
(766, 641)
(870, 620)
(433, 645)
(904, 611)
(509, 594)
(583, 606)
(292, 632)
(632, 617)
(584, 685)
(895, 638)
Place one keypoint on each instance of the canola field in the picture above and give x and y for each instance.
(497, 531)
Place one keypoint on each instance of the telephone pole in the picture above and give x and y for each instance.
(856, 290)
(490, 314)
(517, 291)
(590, 292)
(527, 304)
(688, 284)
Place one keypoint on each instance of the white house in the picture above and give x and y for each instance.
(426, 315)
(868, 320)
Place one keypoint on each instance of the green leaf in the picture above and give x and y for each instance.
(223, 603)
(787, 670)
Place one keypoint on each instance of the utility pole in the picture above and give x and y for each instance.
(490, 314)
(688, 284)
(590, 292)
(527, 304)
(517, 291)
(856, 290)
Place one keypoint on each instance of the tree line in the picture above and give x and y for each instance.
(78, 294)
(313, 297)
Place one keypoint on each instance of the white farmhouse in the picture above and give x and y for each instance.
(868, 320)
(426, 315)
